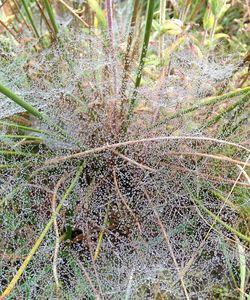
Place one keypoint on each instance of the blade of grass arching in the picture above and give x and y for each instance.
(29, 15)
(149, 20)
(38, 242)
(203, 103)
(21, 102)
(21, 127)
(93, 4)
(242, 260)
(218, 219)
(51, 16)
(32, 110)
(26, 137)
(242, 101)
(19, 153)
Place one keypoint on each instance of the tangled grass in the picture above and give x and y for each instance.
(112, 190)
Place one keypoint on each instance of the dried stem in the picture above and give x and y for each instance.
(141, 141)
(132, 161)
(57, 242)
(71, 10)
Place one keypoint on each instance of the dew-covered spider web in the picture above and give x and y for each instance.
(153, 216)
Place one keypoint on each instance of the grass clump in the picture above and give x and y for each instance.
(124, 170)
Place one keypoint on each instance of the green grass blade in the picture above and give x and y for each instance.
(32, 110)
(149, 19)
(242, 101)
(51, 16)
(29, 15)
(38, 242)
(21, 102)
(101, 234)
(21, 127)
(203, 103)
(5, 166)
(217, 219)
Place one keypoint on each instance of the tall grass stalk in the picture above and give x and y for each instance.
(162, 20)
(149, 20)
(51, 16)
(127, 60)
(109, 9)
(30, 17)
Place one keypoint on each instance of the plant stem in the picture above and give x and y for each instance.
(101, 234)
(21, 102)
(29, 15)
(109, 8)
(127, 60)
(44, 16)
(162, 20)
(149, 20)
(51, 16)
(21, 127)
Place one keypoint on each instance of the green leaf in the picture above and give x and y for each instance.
(215, 5)
(208, 20)
(172, 27)
(221, 36)
(219, 7)
(99, 13)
